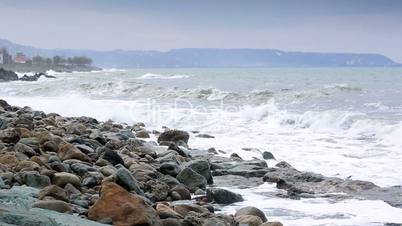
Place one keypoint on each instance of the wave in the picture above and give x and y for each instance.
(160, 76)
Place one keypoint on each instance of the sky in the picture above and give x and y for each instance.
(359, 26)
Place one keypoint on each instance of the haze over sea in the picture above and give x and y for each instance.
(343, 122)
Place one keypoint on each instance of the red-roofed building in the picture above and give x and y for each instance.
(20, 58)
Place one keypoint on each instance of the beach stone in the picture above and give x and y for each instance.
(24, 218)
(127, 208)
(170, 222)
(27, 165)
(192, 179)
(182, 191)
(174, 136)
(170, 168)
(253, 211)
(55, 205)
(81, 169)
(3, 123)
(142, 133)
(108, 170)
(249, 220)
(267, 155)
(125, 179)
(69, 151)
(55, 192)
(9, 160)
(184, 209)
(165, 211)
(9, 135)
(203, 168)
(85, 149)
(222, 196)
(25, 149)
(158, 189)
(63, 178)
(34, 179)
(112, 157)
(50, 146)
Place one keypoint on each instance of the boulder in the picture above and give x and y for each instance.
(112, 157)
(69, 151)
(55, 205)
(267, 155)
(249, 220)
(9, 136)
(9, 160)
(53, 191)
(222, 196)
(6, 76)
(165, 211)
(25, 149)
(34, 179)
(125, 179)
(192, 179)
(174, 136)
(253, 211)
(27, 165)
(170, 168)
(171, 222)
(182, 191)
(274, 223)
(203, 168)
(63, 178)
(184, 209)
(122, 207)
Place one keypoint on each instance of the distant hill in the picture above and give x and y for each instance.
(196, 57)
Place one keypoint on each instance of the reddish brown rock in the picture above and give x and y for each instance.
(69, 151)
(124, 208)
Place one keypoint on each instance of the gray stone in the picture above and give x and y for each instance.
(222, 196)
(250, 210)
(169, 168)
(34, 179)
(125, 179)
(267, 155)
(192, 179)
(203, 168)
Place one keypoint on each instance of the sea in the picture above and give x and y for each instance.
(342, 122)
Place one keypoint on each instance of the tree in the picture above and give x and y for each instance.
(81, 61)
(49, 61)
(38, 60)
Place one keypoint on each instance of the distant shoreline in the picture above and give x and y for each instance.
(23, 68)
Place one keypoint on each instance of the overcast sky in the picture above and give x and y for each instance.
(373, 26)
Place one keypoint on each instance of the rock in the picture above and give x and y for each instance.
(3, 123)
(9, 136)
(61, 179)
(251, 211)
(25, 149)
(158, 189)
(125, 179)
(6, 76)
(183, 192)
(34, 179)
(170, 222)
(249, 220)
(235, 157)
(108, 170)
(50, 146)
(165, 211)
(127, 209)
(55, 205)
(267, 155)
(174, 136)
(55, 192)
(274, 223)
(142, 134)
(9, 160)
(81, 169)
(24, 218)
(192, 179)
(27, 165)
(169, 168)
(69, 151)
(237, 181)
(112, 157)
(203, 168)
(204, 136)
(222, 196)
(184, 209)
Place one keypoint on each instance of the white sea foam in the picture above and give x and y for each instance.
(159, 76)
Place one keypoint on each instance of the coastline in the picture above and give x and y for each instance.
(23, 68)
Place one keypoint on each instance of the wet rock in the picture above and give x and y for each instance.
(142, 133)
(237, 181)
(9, 135)
(170, 222)
(128, 209)
(184, 209)
(53, 191)
(3, 123)
(61, 179)
(158, 189)
(112, 157)
(69, 151)
(81, 169)
(6, 76)
(174, 136)
(55, 205)
(203, 168)
(34, 179)
(25, 149)
(192, 179)
(267, 155)
(251, 211)
(222, 196)
(24, 218)
(249, 220)
(169, 168)
(165, 211)
(274, 223)
(204, 136)
(125, 179)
